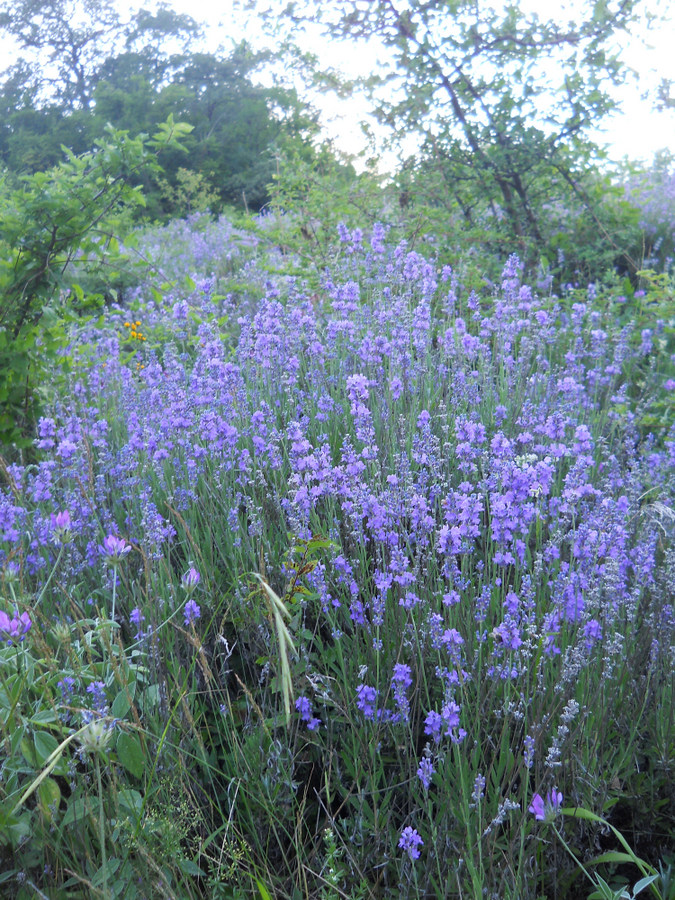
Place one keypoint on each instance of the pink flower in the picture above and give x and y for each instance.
(546, 811)
(61, 523)
(13, 630)
(113, 549)
(190, 580)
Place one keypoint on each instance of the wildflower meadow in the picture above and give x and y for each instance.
(343, 579)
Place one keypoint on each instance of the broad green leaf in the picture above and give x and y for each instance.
(188, 867)
(79, 810)
(131, 799)
(49, 797)
(120, 706)
(45, 745)
(130, 753)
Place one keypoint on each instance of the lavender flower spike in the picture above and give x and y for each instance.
(410, 842)
(192, 612)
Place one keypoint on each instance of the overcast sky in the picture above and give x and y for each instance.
(638, 132)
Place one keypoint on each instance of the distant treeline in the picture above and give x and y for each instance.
(76, 72)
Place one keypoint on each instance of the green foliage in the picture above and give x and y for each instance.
(301, 222)
(77, 78)
(84, 784)
(658, 882)
(55, 217)
(500, 102)
(192, 193)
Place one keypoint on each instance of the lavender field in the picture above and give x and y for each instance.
(355, 582)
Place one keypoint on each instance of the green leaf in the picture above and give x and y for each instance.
(121, 705)
(643, 883)
(262, 890)
(130, 753)
(105, 873)
(78, 810)
(49, 797)
(45, 745)
(43, 717)
(131, 799)
(188, 867)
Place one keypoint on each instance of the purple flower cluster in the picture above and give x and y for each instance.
(191, 612)
(410, 842)
(13, 630)
(546, 810)
(366, 699)
(445, 724)
(304, 707)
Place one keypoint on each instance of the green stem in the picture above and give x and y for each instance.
(101, 829)
(51, 575)
(112, 617)
(572, 854)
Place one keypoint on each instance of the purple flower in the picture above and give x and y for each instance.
(366, 698)
(401, 676)
(425, 772)
(97, 691)
(528, 752)
(14, 630)
(546, 811)
(478, 788)
(190, 580)
(410, 841)
(304, 707)
(442, 725)
(61, 525)
(113, 549)
(592, 633)
(537, 808)
(137, 618)
(67, 687)
(192, 612)
(400, 682)
(377, 238)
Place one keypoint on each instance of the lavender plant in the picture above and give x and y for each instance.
(391, 559)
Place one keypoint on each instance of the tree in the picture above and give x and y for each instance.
(84, 68)
(237, 124)
(63, 42)
(501, 100)
(46, 221)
